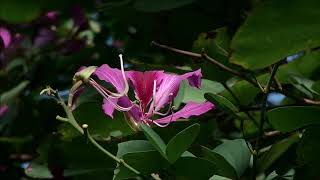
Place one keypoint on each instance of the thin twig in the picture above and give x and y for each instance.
(263, 116)
(178, 51)
(84, 130)
(240, 118)
(276, 80)
(259, 85)
(232, 94)
(227, 69)
(299, 99)
(239, 104)
(258, 108)
(206, 57)
(115, 158)
(310, 101)
(268, 135)
(271, 134)
(244, 136)
(62, 119)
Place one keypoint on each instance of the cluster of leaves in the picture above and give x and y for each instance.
(248, 50)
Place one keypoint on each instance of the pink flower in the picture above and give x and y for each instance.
(5, 37)
(52, 16)
(154, 90)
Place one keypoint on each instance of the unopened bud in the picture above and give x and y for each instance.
(84, 74)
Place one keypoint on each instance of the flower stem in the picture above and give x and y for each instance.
(115, 158)
(84, 130)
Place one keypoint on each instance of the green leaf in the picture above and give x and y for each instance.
(305, 66)
(193, 168)
(159, 5)
(13, 93)
(223, 167)
(270, 33)
(15, 11)
(77, 157)
(216, 177)
(38, 171)
(275, 152)
(100, 125)
(216, 44)
(236, 153)
(243, 90)
(187, 93)
(146, 162)
(316, 86)
(308, 154)
(221, 102)
(15, 63)
(287, 119)
(154, 139)
(141, 148)
(304, 85)
(134, 146)
(181, 142)
(309, 147)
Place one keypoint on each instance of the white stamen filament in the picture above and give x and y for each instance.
(169, 109)
(153, 103)
(160, 125)
(164, 125)
(105, 89)
(108, 97)
(126, 85)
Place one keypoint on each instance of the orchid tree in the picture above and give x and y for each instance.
(136, 89)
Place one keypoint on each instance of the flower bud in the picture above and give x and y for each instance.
(84, 74)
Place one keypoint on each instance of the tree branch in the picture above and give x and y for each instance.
(263, 117)
(206, 57)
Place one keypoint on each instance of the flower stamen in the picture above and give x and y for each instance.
(126, 85)
(169, 109)
(108, 97)
(153, 102)
(167, 124)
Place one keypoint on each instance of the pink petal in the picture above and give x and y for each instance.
(134, 112)
(170, 84)
(111, 75)
(108, 107)
(52, 15)
(5, 36)
(167, 90)
(194, 78)
(143, 84)
(190, 109)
